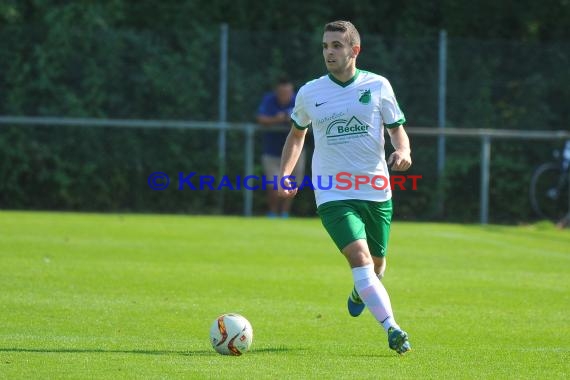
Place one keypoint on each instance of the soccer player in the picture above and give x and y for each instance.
(275, 110)
(348, 110)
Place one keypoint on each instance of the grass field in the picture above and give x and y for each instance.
(125, 296)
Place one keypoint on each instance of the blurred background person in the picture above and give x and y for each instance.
(274, 112)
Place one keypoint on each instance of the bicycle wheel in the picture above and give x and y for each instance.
(549, 200)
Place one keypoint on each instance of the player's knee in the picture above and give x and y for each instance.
(359, 259)
(357, 254)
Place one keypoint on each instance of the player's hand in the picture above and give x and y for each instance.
(400, 160)
(286, 188)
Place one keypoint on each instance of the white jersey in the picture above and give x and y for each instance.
(348, 122)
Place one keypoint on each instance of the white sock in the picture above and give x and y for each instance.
(374, 295)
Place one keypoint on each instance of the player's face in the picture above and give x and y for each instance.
(338, 54)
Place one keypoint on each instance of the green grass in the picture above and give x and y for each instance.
(111, 296)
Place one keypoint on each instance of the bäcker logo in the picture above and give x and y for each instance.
(340, 131)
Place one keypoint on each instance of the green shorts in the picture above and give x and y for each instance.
(352, 219)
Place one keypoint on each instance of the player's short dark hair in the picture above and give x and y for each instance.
(344, 27)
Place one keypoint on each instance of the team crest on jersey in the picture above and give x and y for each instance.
(364, 96)
(342, 131)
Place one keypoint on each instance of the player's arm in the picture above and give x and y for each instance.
(400, 159)
(291, 152)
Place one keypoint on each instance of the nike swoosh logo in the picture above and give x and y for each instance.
(320, 104)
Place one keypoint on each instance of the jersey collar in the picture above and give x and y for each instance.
(348, 82)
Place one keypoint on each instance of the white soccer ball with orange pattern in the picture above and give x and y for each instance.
(231, 334)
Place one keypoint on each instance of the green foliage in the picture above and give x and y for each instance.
(126, 59)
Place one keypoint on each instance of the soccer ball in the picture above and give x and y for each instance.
(231, 334)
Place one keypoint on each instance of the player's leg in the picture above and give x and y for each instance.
(344, 225)
(373, 293)
(378, 218)
(271, 168)
(379, 266)
(367, 284)
(355, 304)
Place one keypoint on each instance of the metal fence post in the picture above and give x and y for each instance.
(486, 135)
(441, 115)
(248, 168)
(485, 175)
(222, 108)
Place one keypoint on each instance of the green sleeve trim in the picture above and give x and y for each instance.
(300, 126)
(396, 124)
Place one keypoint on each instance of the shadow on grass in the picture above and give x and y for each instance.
(386, 355)
(274, 349)
(104, 351)
(138, 352)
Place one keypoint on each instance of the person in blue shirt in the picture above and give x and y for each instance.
(273, 112)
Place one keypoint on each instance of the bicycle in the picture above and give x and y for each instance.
(550, 187)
